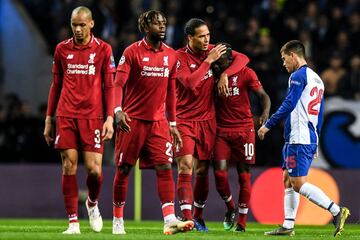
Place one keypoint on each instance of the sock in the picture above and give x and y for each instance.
(291, 204)
(317, 196)
(223, 188)
(185, 194)
(166, 191)
(93, 182)
(71, 195)
(244, 198)
(120, 186)
(201, 190)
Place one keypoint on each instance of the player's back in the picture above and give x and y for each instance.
(303, 125)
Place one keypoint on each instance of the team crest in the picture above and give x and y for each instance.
(166, 60)
(122, 60)
(234, 79)
(91, 58)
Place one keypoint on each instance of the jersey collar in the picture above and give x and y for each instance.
(148, 46)
(80, 47)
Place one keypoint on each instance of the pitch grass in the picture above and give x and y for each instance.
(38, 229)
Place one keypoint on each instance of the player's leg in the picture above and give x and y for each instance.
(205, 135)
(298, 178)
(201, 191)
(166, 191)
(70, 190)
(67, 142)
(92, 148)
(291, 201)
(94, 180)
(244, 178)
(127, 150)
(120, 186)
(222, 154)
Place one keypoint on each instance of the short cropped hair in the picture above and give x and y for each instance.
(192, 24)
(82, 9)
(294, 46)
(147, 17)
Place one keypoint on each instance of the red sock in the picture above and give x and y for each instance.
(244, 197)
(185, 194)
(201, 190)
(223, 188)
(166, 191)
(93, 182)
(70, 193)
(120, 186)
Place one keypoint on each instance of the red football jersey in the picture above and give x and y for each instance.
(148, 78)
(195, 83)
(234, 111)
(195, 101)
(82, 69)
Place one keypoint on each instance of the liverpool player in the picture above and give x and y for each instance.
(81, 93)
(196, 115)
(235, 134)
(145, 84)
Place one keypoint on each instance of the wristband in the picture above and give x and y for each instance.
(117, 109)
(172, 124)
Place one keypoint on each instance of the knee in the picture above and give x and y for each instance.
(202, 170)
(125, 169)
(163, 167)
(185, 167)
(68, 167)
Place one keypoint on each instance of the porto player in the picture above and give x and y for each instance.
(145, 84)
(235, 134)
(81, 93)
(196, 116)
(303, 110)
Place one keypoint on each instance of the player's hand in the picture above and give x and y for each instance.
(176, 137)
(122, 120)
(263, 118)
(48, 131)
(215, 53)
(108, 129)
(223, 85)
(262, 131)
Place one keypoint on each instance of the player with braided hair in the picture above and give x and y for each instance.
(144, 93)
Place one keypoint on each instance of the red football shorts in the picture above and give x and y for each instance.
(198, 138)
(148, 141)
(236, 146)
(80, 134)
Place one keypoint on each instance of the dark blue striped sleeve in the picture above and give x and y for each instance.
(297, 85)
(320, 118)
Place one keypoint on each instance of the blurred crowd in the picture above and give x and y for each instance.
(329, 29)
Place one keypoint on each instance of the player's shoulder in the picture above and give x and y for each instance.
(168, 48)
(65, 44)
(300, 74)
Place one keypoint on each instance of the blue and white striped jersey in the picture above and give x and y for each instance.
(302, 108)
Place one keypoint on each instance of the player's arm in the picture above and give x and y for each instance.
(108, 70)
(265, 104)
(239, 61)
(171, 110)
(296, 87)
(121, 77)
(53, 99)
(191, 80)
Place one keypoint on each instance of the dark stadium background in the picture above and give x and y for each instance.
(329, 29)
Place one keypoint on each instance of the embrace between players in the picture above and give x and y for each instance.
(164, 100)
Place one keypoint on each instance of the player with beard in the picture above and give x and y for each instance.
(81, 93)
(145, 111)
(196, 116)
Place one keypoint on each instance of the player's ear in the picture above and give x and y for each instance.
(92, 23)
(189, 37)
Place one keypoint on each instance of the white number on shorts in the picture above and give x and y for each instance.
(168, 151)
(249, 149)
(97, 136)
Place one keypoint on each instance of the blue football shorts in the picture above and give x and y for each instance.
(297, 158)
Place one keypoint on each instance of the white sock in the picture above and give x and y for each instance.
(291, 204)
(317, 196)
(121, 220)
(169, 218)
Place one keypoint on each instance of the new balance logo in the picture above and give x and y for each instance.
(146, 59)
(192, 65)
(70, 56)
